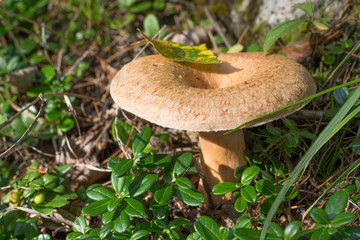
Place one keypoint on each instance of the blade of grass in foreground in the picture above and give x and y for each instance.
(325, 135)
(333, 127)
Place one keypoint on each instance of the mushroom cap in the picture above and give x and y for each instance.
(211, 97)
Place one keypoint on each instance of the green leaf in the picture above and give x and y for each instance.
(320, 25)
(290, 141)
(265, 187)
(341, 95)
(240, 204)
(194, 236)
(140, 7)
(96, 208)
(275, 230)
(154, 161)
(43, 236)
(179, 222)
(249, 175)
(64, 169)
(50, 181)
(12, 64)
(184, 183)
(223, 188)
(188, 196)
(123, 167)
(140, 234)
(120, 184)
(6, 130)
(249, 194)
(182, 163)
(321, 233)
(81, 222)
(48, 72)
(207, 228)
(142, 184)
(124, 131)
(307, 7)
(134, 208)
(320, 216)
(343, 218)
(280, 30)
(291, 229)
(26, 227)
(163, 194)
(98, 192)
(161, 211)
(122, 222)
(151, 24)
(336, 203)
(356, 146)
(236, 48)
(141, 140)
(181, 52)
(252, 234)
(239, 171)
(114, 204)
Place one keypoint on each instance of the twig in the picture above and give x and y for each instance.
(19, 112)
(71, 109)
(243, 34)
(39, 151)
(92, 167)
(83, 56)
(120, 143)
(15, 186)
(32, 211)
(215, 47)
(9, 150)
(217, 27)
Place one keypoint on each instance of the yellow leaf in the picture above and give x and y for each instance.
(182, 52)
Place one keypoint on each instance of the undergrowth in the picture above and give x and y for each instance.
(62, 174)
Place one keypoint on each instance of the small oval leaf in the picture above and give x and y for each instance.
(223, 188)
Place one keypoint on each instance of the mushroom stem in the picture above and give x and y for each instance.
(221, 155)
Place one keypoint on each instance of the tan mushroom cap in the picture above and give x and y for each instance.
(211, 97)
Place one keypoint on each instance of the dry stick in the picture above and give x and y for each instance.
(71, 70)
(31, 211)
(9, 150)
(215, 47)
(19, 112)
(120, 143)
(73, 113)
(92, 167)
(217, 27)
(243, 34)
(39, 151)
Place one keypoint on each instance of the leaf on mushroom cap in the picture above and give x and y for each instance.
(211, 97)
(181, 52)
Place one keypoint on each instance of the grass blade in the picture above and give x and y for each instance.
(324, 136)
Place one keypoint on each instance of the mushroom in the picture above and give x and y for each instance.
(212, 98)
